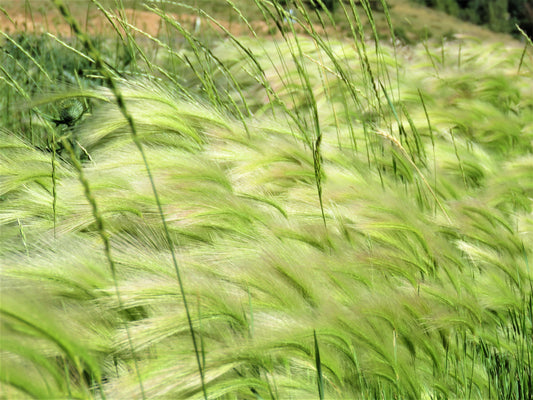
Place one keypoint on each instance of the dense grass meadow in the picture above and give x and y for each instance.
(288, 212)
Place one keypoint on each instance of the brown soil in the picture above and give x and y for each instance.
(17, 20)
(16, 17)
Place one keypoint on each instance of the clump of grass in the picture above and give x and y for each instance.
(343, 229)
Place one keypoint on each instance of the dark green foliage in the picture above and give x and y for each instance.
(70, 111)
(319, 4)
(498, 15)
(60, 64)
(314, 4)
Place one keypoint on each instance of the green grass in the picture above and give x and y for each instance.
(252, 218)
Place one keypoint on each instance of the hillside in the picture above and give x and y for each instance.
(412, 22)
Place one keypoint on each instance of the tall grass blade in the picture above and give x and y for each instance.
(320, 378)
(122, 106)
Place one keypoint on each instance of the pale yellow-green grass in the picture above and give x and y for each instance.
(411, 266)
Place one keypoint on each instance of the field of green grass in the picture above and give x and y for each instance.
(212, 213)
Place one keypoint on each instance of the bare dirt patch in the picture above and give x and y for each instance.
(17, 19)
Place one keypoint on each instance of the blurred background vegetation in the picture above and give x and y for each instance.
(413, 19)
(498, 15)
